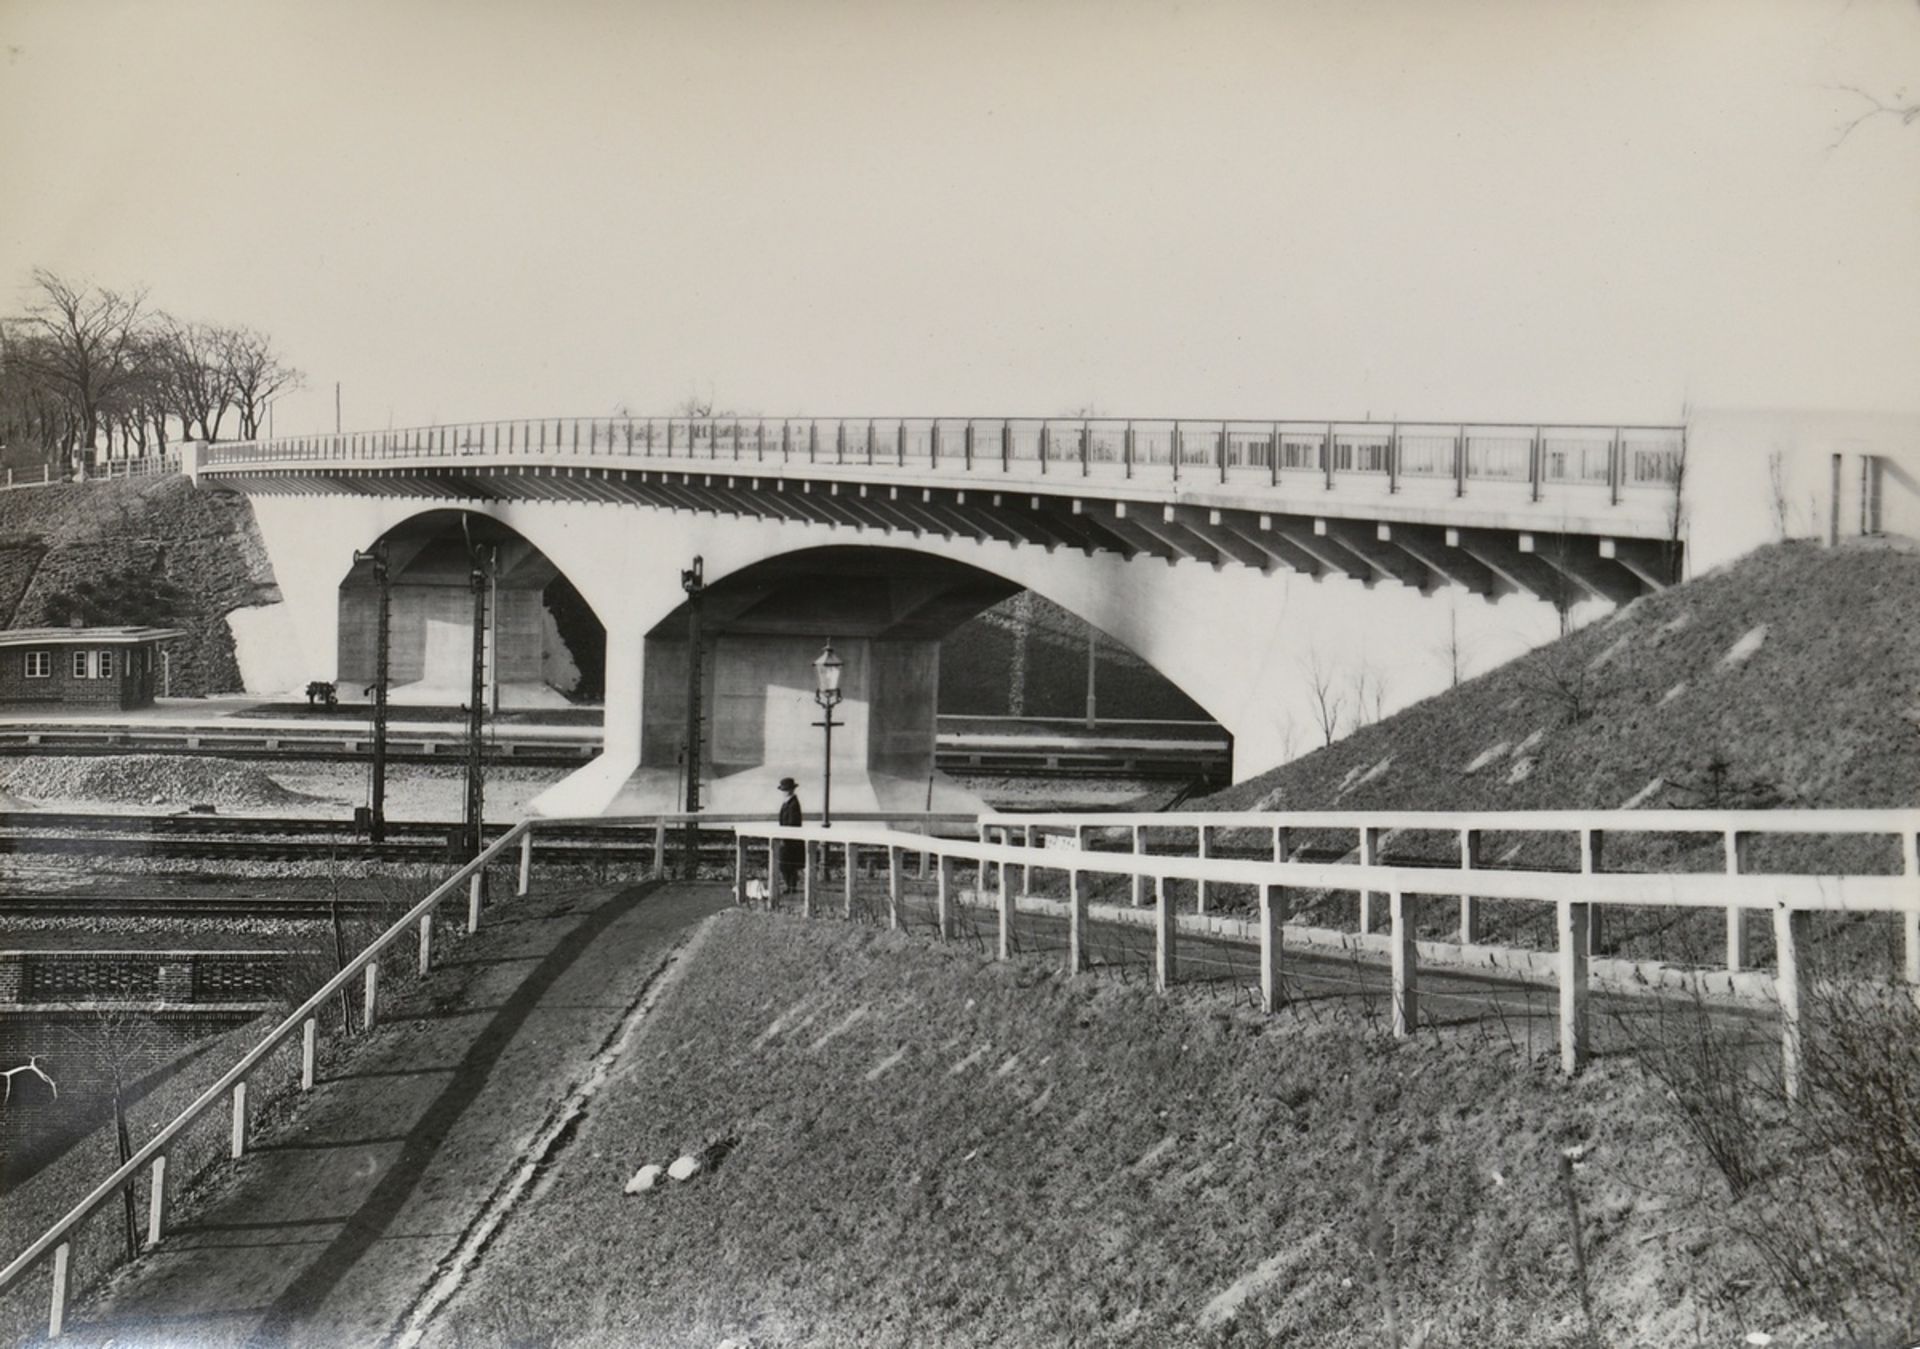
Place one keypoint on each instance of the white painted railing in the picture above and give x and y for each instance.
(1373, 830)
(1609, 460)
(304, 1021)
(1575, 896)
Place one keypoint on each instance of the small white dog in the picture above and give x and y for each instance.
(757, 891)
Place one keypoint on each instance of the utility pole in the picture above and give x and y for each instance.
(476, 705)
(377, 805)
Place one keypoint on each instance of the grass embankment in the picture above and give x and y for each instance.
(1789, 679)
(923, 1147)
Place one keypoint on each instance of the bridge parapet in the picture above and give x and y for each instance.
(1557, 511)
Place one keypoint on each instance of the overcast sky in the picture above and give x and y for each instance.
(1415, 208)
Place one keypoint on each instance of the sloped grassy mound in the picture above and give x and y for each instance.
(918, 1146)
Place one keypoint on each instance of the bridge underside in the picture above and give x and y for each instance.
(1371, 546)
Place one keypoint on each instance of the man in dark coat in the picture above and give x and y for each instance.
(793, 853)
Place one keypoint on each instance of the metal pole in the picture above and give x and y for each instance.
(693, 581)
(476, 708)
(377, 807)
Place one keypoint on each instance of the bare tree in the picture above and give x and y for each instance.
(256, 373)
(83, 341)
(1326, 698)
(1369, 692)
(194, 369)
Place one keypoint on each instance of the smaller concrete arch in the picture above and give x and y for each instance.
(543, 641)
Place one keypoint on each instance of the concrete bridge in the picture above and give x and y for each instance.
(1217, 551)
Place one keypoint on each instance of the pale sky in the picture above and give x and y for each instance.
(1414, 208)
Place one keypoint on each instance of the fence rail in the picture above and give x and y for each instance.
(991, 851)
(1609, 460)
(304, 1021)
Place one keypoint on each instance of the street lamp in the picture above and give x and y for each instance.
(826, 692)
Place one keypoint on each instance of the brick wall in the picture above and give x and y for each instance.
(132, 683)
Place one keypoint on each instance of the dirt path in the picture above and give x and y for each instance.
(328, 1232)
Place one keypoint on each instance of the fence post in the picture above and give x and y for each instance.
(1369, 856)
(808, 852)
(1026, 868)
(1164, 955)
(1572, 921)
(239, 1148)
(1005, 905)
(740, 866)
(1791, 929)
(62, 1289)
(1739, 950)
(526, 863)
(1406, 967)
(1469, 906)
(895, 861)
(1200, 886)
(943, 895)
(372, 992)
(1273, 917)
(1593, 845)
(847, 883)
(1139, 880)
(659, 849)
(1910, 920)
(473, 902)
(426, 943)
(157, 1200)
(1077, 962)
(309, 1046)
(1282, 843)
(773, 875)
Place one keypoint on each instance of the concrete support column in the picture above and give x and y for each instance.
(1791, 930)
(1406, 967)
(1274, 901)
(1573, 920)
(847, 884)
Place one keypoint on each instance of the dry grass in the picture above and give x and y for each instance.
(937, 1149)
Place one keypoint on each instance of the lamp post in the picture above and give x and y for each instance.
(693, 580)
(826, 692)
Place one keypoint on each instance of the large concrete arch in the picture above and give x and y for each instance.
(1235, 639)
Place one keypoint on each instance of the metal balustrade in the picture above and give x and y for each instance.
(1613, 460)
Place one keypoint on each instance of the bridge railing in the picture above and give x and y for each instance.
(304, 1022)
(1575, 897)
(1610, 460)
